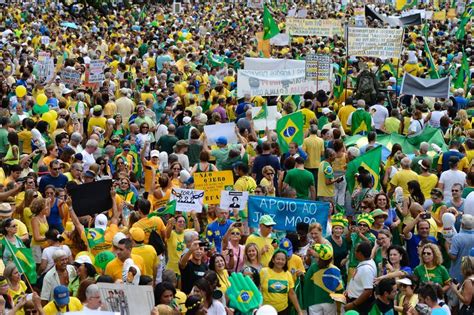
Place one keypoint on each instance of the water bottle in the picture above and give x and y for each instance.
(125, 214)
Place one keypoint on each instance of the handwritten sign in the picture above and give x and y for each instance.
(127, 299)
(318, 67)
(188, 200)
(313, 27)
(96, 71)
(213, 183)
(234, 199)
(44, 67)
(374, 42)
(71, 77)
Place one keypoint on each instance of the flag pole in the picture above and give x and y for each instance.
(17, 262)
(399, 62)
(346, 66)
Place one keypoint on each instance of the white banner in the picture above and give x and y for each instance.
(318, 67)
(96, 71)
(127, 299)
(313, 27)
(45, 67)
(270, 121)
(234, 199)
(226, 130)
(255, 4)
(273, 82)
(71, 76)
(272, 64)
(374, 42)
(188, 200)
(282, 39)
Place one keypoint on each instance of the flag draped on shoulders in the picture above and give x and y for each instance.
(370, 161)
(320, 283)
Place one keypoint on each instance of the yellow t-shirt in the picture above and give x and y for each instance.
(245, 183)
(150, 258)
(15, 295)
(43, 228)
(401, 178)
(266, 183)
(314, 147)
(96, 122)
(148, 169)
(25, 137)
(114, 268)
(110, 109)
(427, 183)
(261, 242)
(224, 282)
(22, 230)
(150, 224)
(276, 287)
(344, 114)
(295, 263)
(175, 246)
(308, 115)
(74, 306)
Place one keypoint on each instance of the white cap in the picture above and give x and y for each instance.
(184, 176)
(101, 222)
(155, 153)
(405, 281)
(127, 264)
(186, 120)
(83, 259)
(325, 111)
(67, 91)
(117, 238)
(266, 310)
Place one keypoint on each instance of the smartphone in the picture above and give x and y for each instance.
(29, 297)
(426, 216)
(238, 224)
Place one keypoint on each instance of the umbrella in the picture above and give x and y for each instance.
(70, 25)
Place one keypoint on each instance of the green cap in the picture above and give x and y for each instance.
(266, 220)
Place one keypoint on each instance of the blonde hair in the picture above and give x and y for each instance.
(315, 225)
(267, 168)
(467, 266)
(247, 247)
(437, 257)
(462, 114)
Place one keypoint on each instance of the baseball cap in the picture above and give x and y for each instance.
(97, 108)
(437, 192)
(186, 120)
(61, 295)
(115, 137)
(266, 220)
(154, 153)
(84, 259)
(405, 281)
(378, 212)
(221, 140)
(286, 244)
(100, 221)
(67, 91)
(89, 173)
(137, 234)
(117, 238)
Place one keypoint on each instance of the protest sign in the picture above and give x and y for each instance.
(302, 13)
(71, 77)
(44, 67)
(255, 4)
(226, 130)
(91, 198)
(359, 17)
(439, 16)
(273, 82)
(291, 12)
(313, 27)
(282, 39)
(272, 64)
(451, 13)
(127, 299)
(213, 183)
(318, 67)
(287, 213)
(96, 71)
(412, 85)
(187, 200)
(176, 7)
(234, 199)
(374, 42)
(269, 121)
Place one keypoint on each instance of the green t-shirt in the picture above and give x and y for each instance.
(466, 191)
(3, 141)
(166, 143)
(222, 154)
(438, 274)
(353, 262)
(300, 180)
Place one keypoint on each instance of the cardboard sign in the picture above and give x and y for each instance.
(71, 77)
(213, 183)
(91, 198)
(313, 27)
(318, 67)
(127, 299)
(255, 4)
(374, 42)
(234, 199)
(96, 71)
(44, 67)
(188, 200)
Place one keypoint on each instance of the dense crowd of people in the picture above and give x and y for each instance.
(403, 246)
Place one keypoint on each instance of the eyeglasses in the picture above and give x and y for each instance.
(363, 225)
(454, 190)
(124, 183)
(426, 253)
(268, 226)
(13, 226)
(234, 233)
(35, 196)
(56, 168)
(258, 192)
(270, 174)
(145, 127)
(176, 169)
(102, 163)
(120, 163)
(30, 183)
(365, 207)
(180, 221)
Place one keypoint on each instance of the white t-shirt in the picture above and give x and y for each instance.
(379, 116)
(416, 126)
(216, 308)
(363, 278)
(87, 160)
(436, 118)
(48, 254)
(448, 179)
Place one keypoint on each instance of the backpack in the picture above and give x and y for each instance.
(156, 241)
(367, 87)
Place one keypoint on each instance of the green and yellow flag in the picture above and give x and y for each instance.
(465, 18)
(432, 71)
(370, 161)
(23, 259)
(263, 113)
(270, 27)
(170, 208)
(290, 129)
(94, 237)
(401, 5)
(463, 78)
(340, 81)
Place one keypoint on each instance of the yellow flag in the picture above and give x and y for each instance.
(399, 4)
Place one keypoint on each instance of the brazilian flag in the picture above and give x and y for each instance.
(320, 283)
(370, 161)
(23, 260)
(262, 113)
(170, 208)
(290, 129)
(94, 236)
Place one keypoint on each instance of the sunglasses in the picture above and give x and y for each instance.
(56, 168)
(234, 233)
(145, 127)
(13, 226)
(176, 169)
(270, 173)
(426, 254)
(258, 191)
(363, 225)
(454, 190)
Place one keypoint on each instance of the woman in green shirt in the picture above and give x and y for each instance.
(430, 268)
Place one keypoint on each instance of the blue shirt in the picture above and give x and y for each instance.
(57, 182)
(461, 244)
(412, 249)
(215, 233)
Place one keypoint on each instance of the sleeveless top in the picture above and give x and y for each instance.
(9, 155)
(54, 218)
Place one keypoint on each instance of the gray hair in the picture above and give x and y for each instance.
(76, 136)
(405, 162)
(355, 152)
(92, 290)
(109, 149)
(59, 254)
(190, 235)
(424, 147)
(92, 143)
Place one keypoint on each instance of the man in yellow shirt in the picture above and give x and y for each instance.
(123, 250)
(314, 148)
(344, 113)
(62, 302)
(308, 114)
(263, 239)
(148, 224)
(147, 252)
(402, 177)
